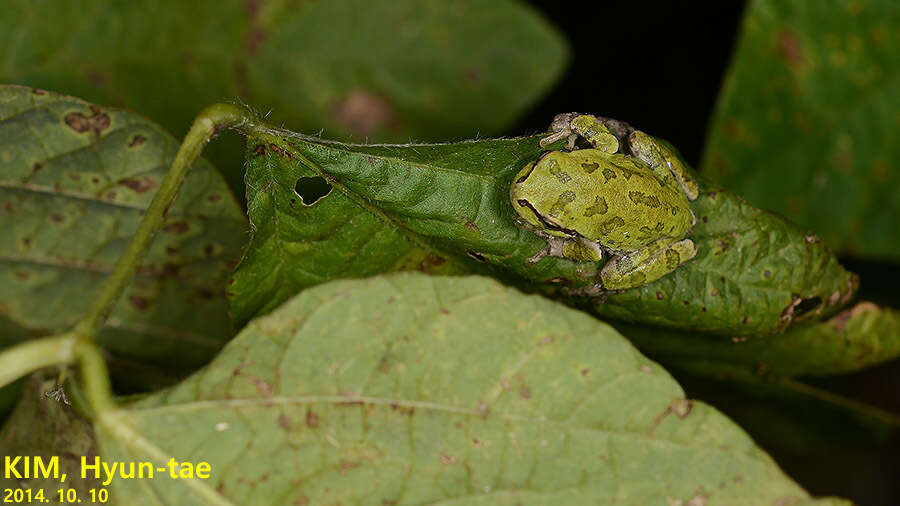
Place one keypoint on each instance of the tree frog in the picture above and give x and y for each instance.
(630, 201)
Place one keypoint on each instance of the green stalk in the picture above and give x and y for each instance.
(29, 356)
(211, 120)
(76, 345)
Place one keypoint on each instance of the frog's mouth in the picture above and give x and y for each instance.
(545, 222)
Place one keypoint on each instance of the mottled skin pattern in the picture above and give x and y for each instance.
(634, 207)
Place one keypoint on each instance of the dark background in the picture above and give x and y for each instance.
(659, 66)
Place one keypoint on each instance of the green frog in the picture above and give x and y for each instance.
(629, 202)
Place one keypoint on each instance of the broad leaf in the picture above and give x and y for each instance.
(806, 120)
(398, 69)
(412, 389)
(445, 208)
(74, 181)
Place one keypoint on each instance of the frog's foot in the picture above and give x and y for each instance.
(664, 161)
(561, 126)
(647, 264)
(574, 125)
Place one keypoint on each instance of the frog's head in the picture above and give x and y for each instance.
(531, 191)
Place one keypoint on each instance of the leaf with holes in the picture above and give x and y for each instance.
(806, 120)
(413, 389)
(75, 179)
(445, 208)
(395, 70)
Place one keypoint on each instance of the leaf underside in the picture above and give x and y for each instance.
(414, 389)
(75, 179)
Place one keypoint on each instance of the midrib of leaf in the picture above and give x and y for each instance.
(118, 425)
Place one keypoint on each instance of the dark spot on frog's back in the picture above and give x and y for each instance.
(612, 224)
(590, 167)
(599, 207)
(565, 198)
(608, 174)
(643, 199)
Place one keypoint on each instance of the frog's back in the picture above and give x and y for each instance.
(621, 204)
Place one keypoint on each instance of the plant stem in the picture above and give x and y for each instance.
(210, 121)
(23, 358)
(94, 377)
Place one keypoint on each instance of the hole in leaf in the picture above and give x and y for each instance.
(312, 189)
(807, 305)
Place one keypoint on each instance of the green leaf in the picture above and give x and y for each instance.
(387, 70)
(859, 337)
(445, 208)
(48, 428)
(74, 181)
(412, 389)
(806, 120)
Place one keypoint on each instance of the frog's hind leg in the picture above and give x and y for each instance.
(664, 161)
(646, 264)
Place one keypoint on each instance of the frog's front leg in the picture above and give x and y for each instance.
(647, 264)
(664, 161)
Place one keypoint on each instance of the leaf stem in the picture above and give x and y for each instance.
(30, 356)
(210, 121)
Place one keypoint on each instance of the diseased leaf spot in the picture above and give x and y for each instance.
(280, 152)
(139, 302)
(213, 197)
(259, 150)
(312, 189)
(36, 167)
(95, 123)
(767, 273)
(56, 218)
(139, 185)
(137, 141)
(363, 113)
(178, 227)
(660, 295)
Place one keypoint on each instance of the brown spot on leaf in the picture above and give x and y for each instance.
(279, 151)
(95, 123)
(36, 167)
(448, 459)
(138, 302)
(525, 392)
(139, 185)
(363, 113)
(178, 227)
(259, 150)
(585, 371)
(212, 197)
(839, 321)
(767, 273)
(23, 275)
(284, 422)
(56, 217)
(38, 92)
(547, 340)
(312, 419)
(791, 49)
(137, 141)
